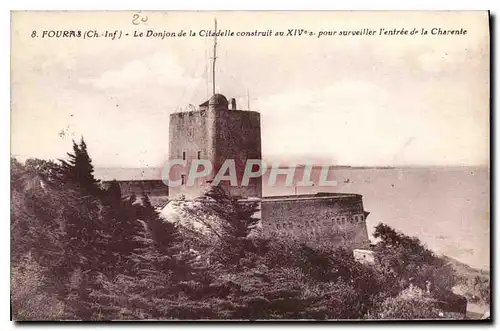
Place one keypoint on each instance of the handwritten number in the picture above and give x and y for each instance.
(134, 19)
(137, 19)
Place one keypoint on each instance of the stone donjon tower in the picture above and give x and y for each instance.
(215, 132)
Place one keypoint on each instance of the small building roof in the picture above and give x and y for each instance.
(218, 100)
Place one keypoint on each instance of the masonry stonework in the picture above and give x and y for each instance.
(216, 133)
(333, 218)
(237, 137)
(191, 136)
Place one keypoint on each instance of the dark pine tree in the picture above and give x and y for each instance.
(237, 222)
(79, 171)
(113, 194)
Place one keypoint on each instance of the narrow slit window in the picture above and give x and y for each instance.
(183, 155)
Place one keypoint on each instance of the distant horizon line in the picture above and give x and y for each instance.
(23, 158)
(335, 166)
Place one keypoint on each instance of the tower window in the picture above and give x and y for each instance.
(199, 155)
(183, 155)
(183, 179)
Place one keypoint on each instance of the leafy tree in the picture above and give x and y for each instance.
(38, 242)
(405, 260)
(37, 227)
(31, 296)
(412, 303)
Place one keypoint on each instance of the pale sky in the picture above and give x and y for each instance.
(358, 100)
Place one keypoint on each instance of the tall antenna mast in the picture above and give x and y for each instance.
(215, 57)
(207, 70)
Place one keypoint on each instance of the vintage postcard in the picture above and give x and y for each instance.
(252, 165)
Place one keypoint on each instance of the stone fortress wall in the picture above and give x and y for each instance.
(338, 219)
